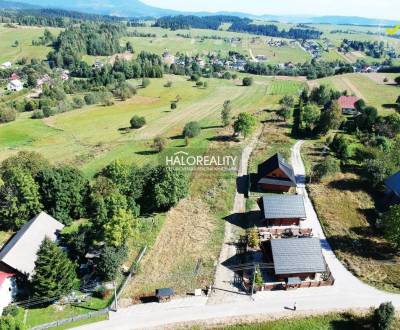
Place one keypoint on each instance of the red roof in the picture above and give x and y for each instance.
(3, 276)
(348, 102)
(14, 76)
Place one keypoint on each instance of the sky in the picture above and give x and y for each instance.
(385, 9)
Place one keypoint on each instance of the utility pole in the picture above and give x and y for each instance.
(115, 297)
(252, 283)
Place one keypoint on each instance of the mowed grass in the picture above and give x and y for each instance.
(377, 94)
(333, 321)
(285, 87)
(95, 135)
(24, 36)
(365, 253)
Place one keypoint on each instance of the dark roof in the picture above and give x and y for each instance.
(297, 256)
(283, 206)
(276, 161)
(393, 183)
(164, 292)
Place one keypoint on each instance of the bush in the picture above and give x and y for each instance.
(199, 84)
(195, 77)
(37, 114)
(174, 105)
(145, 82)
(137, 122)
(247, 81)
(159, 143)
(328, 167)
(253, 238)
(12, 310)
(78, 102)
(7, 115)
(48, 112)
(384, 316)
(227, 75)
(168, 84)
(191, 129)
(91, 98)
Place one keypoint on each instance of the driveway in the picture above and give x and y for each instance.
(348, 292)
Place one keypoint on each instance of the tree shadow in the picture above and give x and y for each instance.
(146, 152)
(390, 106)
(245, 220)
(242, 185)
(124, 130)
(177, 137)
(351, 184)
(363, 247)
(220, 138)
(211, 127)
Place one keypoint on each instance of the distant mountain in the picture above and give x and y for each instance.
(16, 5)
(136, 8)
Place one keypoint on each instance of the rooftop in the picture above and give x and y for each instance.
(348, 102)
(276, 161)
(393, 183)
(297, 256)
(283, 206)
(20, 252)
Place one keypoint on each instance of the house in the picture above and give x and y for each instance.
(43, 80)
(275, 175)
(168, 58)
(15, 85)
(19, 254)
(348, 104)
(392, 184)
(297, 259)
(6, 65)
(8, 289)
(282, 210)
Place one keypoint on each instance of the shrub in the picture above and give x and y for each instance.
(168, 84)
(384, 316)
(78, 102)
(328, 167)
(48, 112)
(174, 105)
(12, 310)
(195, 77)
(227, 75)
(37, 114)
(91, 98)
(7, 115)
(253, 238)
(145, 82)
(247, 81)
(191, 129)
(199, 84)
(244, 124)
(137, 122)
(159, 143)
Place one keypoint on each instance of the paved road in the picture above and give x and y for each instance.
(348, 292)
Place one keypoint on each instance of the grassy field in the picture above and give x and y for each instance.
(370, 87)
(334, 321)
(285, 87)
(366, 254)
(24, 36)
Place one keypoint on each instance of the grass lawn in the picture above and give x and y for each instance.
(4, 236)
(37, 316)
(366, 254)
(334, 321)
(82, 322)
(285, 87)
(24, 35)
(368, 87)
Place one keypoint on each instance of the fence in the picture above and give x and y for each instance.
(104, 311)
(72, 319)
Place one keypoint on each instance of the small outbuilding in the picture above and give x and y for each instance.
(164, 294)
(282, 210)
(348, 104)
(275, 174)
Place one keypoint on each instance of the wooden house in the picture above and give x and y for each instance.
(275, 175)
(282, 210)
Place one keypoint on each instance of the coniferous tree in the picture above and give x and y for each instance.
(54, 274)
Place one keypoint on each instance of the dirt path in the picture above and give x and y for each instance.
(224, 288)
